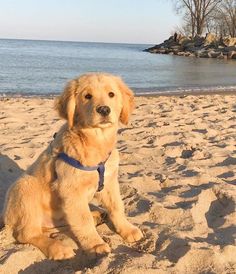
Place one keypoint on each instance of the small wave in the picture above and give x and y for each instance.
(28, 94)
(185, 90)
(168, 91)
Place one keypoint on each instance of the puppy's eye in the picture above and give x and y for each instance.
(111, 94)
(88, 96)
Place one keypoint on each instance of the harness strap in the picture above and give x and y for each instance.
(76, 164)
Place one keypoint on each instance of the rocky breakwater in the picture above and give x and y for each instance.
(209, 46)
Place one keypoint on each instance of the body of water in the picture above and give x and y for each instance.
(43, 67)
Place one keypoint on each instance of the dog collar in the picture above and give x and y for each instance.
(76, 164)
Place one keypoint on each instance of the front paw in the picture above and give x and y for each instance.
(131, 234)
(101, 249)
(58, 251)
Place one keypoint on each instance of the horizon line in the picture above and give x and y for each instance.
(75, 41)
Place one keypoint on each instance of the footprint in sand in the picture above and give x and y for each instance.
(198, 261)
(148, 243)
(211, 211)
(135, 204)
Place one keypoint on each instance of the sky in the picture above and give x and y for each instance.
(118, 21)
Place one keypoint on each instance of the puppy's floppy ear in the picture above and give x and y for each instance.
(65, 103)
(127, 102)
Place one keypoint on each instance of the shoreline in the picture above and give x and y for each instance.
(195, 91)
(188, 93)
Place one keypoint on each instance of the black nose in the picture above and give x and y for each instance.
(103, 110)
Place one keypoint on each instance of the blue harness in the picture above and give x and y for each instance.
(76, 164)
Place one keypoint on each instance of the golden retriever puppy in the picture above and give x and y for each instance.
(81, 163)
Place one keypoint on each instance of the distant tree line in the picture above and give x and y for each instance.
(200, 16)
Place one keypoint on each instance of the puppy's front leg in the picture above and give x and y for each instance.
(80, 219)
(111, 199)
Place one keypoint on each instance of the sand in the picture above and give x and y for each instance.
(177, 178)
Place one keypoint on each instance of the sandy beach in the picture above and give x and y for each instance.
(177, 179)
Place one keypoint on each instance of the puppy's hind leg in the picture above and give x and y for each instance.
(24, 215)
(53, 249)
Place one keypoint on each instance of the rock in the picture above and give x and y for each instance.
(222, 56)
(198, 40)
(175, 51)
(187, 53)
(154, 50)
(184, 41)
(210, 39)
(204, 54)
(229, 41)
(162, 51)
(188, 46)
(232, 55)
(181, 53)
(214, 54)
(177, 37)
(176, 47)
(208, 47)
(197, 53)
(170, 39)
(228, 49)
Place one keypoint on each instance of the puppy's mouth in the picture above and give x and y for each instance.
(104, 123)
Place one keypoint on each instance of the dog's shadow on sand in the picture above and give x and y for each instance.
(80, 262)
(9, 172)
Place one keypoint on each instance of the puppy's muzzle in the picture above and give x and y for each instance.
(103, 110)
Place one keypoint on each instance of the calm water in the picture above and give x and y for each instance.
(44, 66)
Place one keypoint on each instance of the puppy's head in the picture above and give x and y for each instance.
(95, 100)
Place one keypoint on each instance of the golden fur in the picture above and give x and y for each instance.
(52, 193)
